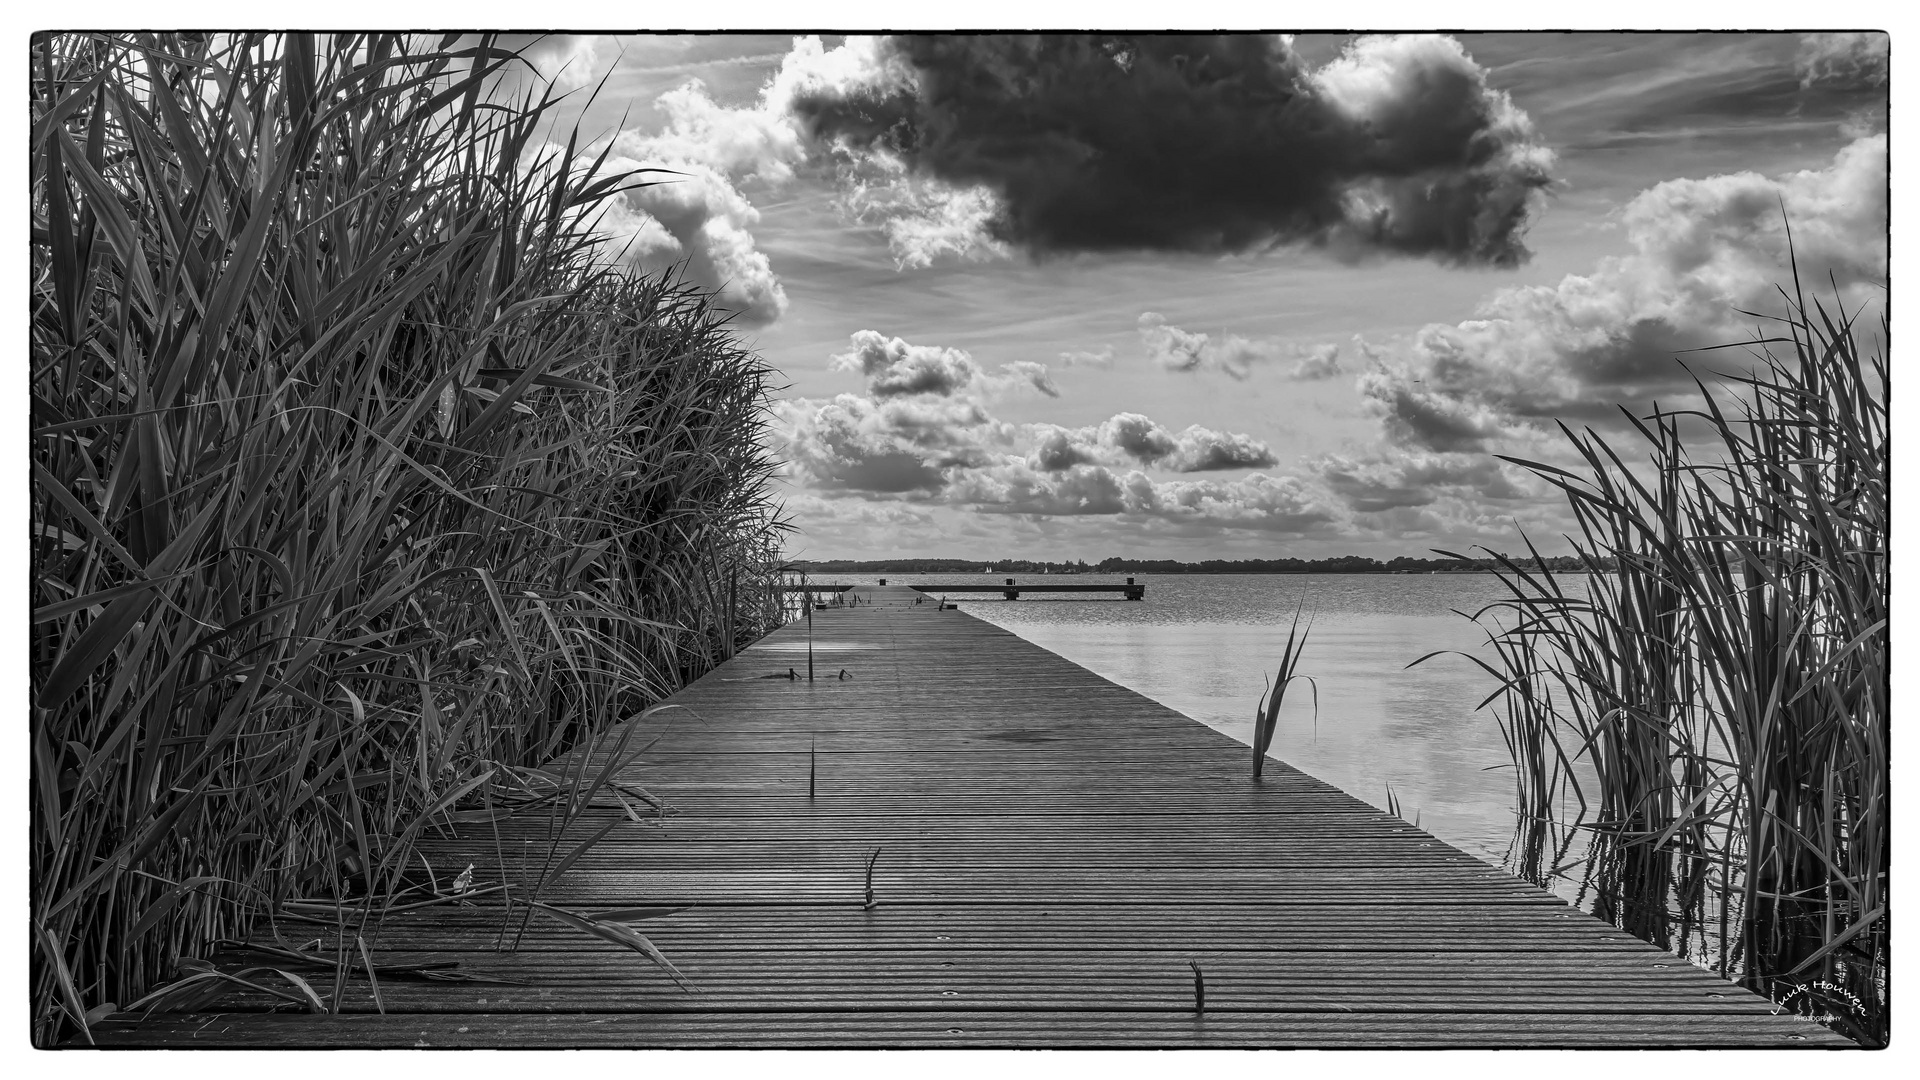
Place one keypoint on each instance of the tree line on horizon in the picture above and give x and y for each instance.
(1337, 564)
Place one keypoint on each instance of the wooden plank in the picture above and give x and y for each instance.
(568, 983)
(1413, 928)
(1054, 851)
(957, 1028)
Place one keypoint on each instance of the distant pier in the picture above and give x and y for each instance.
(1012, 591)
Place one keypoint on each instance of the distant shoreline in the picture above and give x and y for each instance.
(1349, 564)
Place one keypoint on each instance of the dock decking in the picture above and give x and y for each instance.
(1055, 851)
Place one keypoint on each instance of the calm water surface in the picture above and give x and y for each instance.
(1202, 644)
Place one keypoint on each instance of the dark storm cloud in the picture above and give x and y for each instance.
(1223, 143)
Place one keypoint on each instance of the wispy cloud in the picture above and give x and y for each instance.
(1853, 58)
(1177, 349)
(692, 66)
(1099, 358)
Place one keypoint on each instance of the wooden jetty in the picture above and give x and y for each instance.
(1060, 862)
(1012, 591)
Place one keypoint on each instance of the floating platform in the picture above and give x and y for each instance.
(1012, 591)
(1053, 861)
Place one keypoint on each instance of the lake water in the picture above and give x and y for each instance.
(1202, 644)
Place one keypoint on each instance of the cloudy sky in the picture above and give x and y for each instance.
(1232, 297)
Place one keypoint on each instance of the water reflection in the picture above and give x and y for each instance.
(1204, 644)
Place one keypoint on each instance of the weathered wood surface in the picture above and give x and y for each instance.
(1054, 851)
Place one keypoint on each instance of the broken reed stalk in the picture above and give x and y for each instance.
(359, 478)
(872, 857)
(1199, 987)
(811, 765)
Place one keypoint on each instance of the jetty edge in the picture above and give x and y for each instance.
(1000, 849)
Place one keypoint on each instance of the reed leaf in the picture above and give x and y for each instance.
(1266, 714)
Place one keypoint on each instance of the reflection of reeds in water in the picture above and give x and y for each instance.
(1725, 690)
(361, 487)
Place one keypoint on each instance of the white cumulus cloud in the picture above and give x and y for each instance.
(1702, 250)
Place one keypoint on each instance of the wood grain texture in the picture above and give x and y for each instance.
(1055, 851)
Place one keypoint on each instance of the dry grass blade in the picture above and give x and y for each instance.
(620, 934)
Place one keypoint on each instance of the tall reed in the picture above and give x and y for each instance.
(360, 480)
(1266, 714)
(1726, 690)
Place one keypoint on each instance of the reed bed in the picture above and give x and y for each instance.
(363, 484)
(1713, 716)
